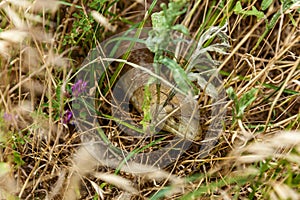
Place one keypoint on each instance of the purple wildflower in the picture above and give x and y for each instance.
(79, 87)
(7, 117)
(67, 116)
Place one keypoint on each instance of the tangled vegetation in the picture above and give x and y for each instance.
(253, 46)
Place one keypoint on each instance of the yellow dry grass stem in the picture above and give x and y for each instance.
(288, 78)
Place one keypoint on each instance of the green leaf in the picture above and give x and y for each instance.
(181, 28)
(179, 74)
(162, 23)
(212, 186)
(18, 159)
(245, 101)
(161, 193)
(238, 8)
(292, 20)
(58, 92)
(159, 20)
(287, 4)
(231, 94)
(266, 4)
(256, 13)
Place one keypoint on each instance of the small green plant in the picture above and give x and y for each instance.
(85, 30)
(286, 5)
(241, 104)
(82, 27)
(265, 4)
(162, 24)
(157, 42)
(59, 102)
(161, 37)
(11, 139)
(254, 12)
(17, 158)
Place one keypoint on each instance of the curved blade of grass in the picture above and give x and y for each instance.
(267, 85)
(213, 186)
(126, 55)
(136, 151)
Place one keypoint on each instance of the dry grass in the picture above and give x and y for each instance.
(41, 157)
